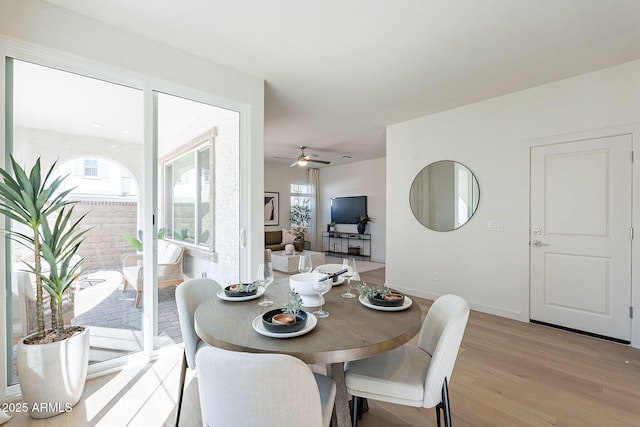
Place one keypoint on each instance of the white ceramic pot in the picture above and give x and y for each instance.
(52, 376)
(302, 283)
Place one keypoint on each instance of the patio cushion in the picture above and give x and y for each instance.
(168, 253)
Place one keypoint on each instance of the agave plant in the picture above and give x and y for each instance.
(59, 250)
(29, 199)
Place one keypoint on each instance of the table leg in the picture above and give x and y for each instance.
(342, 416)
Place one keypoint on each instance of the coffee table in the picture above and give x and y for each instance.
(289, 263)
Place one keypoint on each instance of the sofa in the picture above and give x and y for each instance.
(273, 240)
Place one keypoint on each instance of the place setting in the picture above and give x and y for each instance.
(286, 322)
(382, 298)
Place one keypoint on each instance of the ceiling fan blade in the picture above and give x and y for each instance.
(324, 162)
(293, 164)
(284, 158)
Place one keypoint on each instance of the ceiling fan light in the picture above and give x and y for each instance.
(302, 162)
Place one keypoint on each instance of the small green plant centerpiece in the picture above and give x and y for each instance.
(241, 290)
(380, 295)
(289, 318)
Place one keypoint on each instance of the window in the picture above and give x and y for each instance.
(90, 168)
(187, 197)
(300, 199)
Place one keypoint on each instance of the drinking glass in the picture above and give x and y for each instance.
(350, 265)
(264, 279)
(321, 287)
(304, 263)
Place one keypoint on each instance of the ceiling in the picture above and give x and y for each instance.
(338, 71)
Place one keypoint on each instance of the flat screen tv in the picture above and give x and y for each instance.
(344, 210)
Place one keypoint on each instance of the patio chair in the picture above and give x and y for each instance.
(169, 268)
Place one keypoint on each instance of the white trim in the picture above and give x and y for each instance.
(634, 130)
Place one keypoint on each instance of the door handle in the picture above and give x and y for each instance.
(538, 244)
(243, 238)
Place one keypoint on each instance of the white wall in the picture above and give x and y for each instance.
(366, 178)
(490, 268)
(278, 178)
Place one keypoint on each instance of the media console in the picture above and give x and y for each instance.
(347, 244)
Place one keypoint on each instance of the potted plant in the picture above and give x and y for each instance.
(136, 242)
(52, 364)
(362, 221)
(298, 232)
(300, 216)
(289, 318)
(331, 226)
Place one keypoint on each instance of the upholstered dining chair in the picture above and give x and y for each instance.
(414, 375)
(189, 294)
(262, 390)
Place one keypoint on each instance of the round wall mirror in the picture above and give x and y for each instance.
(444, 195)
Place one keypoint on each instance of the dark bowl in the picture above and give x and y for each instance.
(232, 294)
(301, 320)
(391, 300)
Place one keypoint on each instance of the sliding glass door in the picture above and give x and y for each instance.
(113, 151)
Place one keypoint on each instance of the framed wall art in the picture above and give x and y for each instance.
(271, 204)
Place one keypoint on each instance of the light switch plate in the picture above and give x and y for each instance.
(496, 225)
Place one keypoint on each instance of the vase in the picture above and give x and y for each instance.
(362, 226)
(299, 244)
(52, 375)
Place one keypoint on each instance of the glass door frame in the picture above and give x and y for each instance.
(149, 188)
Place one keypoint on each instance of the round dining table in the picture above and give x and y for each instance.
(352, 331)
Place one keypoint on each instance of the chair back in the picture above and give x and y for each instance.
(441, 336)
(253, 389)
(188, 295)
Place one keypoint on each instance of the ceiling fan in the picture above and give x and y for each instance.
(304, 159)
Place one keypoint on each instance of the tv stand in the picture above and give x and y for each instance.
(345, 245)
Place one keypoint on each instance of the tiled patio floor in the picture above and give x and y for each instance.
(115, 324)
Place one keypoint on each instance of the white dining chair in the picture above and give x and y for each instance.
(189, 294)
(262, 390)
(414, 375)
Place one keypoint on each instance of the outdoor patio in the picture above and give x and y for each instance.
(115, 324)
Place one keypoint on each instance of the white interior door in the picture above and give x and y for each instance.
(580, 238)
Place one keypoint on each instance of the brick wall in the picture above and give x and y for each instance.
(105, 245)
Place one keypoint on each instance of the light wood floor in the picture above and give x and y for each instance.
(508, 373)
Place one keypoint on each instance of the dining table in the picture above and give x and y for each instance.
(352, 331)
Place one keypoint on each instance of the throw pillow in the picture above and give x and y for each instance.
(287, 237)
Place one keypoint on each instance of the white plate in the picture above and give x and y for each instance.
(406, 304)
(224, 296)
(308, 327)
(339, 282)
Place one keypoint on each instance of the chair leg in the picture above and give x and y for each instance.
(137, 299)
(355, 403)
(183, 374)
(438, 407)
(445, 404)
